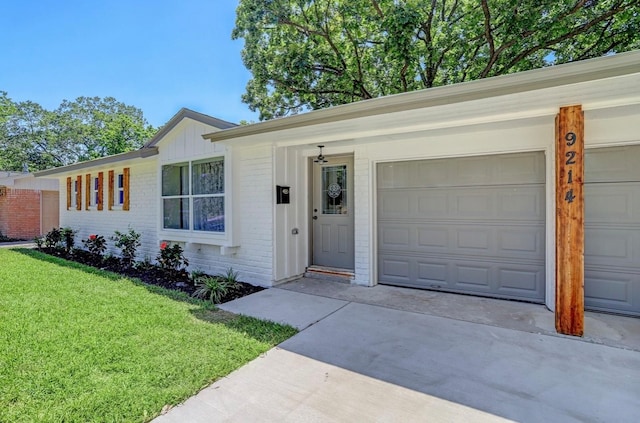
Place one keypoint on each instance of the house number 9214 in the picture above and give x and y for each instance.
(571, 160)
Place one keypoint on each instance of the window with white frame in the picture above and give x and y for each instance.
(74, 194)
(119, 191)
(193, 195)
(95, 194)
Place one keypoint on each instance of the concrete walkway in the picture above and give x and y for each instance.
(357, 361)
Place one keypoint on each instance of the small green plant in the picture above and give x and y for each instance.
(214, 288)
(128, 242)
(4, 238)
(52, 238)
(171, 258)
(68, 238)
(144, 265)
(96, 245)
(231, 277)
(39, 241)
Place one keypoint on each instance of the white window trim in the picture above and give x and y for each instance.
(117, 205)
(93, 203)
(74, 194)
(191, 236)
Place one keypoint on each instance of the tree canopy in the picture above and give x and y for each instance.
(311, 54)
(84, 129)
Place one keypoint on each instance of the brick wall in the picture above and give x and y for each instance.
(252, 198)
(20, 213)
(142, 216)
(362, 178)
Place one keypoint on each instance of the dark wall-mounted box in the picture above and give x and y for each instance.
(283, 194)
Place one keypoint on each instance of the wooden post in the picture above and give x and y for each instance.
(570, 221)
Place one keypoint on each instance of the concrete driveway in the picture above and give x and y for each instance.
(356, 362)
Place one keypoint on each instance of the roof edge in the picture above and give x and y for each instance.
(541, 78)
(135, 154)
(187, 113)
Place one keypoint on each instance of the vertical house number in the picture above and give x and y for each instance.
(571, 160)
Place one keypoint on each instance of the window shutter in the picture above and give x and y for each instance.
(110, 196)
(68, 192)
(87, 192)
(125, 175)
(100, 191)
(79, 193)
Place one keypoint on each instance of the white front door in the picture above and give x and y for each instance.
(332, 213)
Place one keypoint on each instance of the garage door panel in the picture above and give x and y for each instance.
(464, 203)
(465, 274)
(474, 238)
(473, 276)
(521, 168)
(396, 269)
(521, 203)
(612, 291)
(434, 238)
(394, 204)
(478, 230)
(616, 164)
(433, 272)
(523, 242)
(611, 247)
(612, 230)
(521, 281)
(514, 169)
(612, 203)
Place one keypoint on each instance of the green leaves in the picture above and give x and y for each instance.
(84, 129)
(310, 54)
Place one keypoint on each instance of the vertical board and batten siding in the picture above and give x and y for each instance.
(290, 249)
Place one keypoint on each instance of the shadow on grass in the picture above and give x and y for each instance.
(260, 330)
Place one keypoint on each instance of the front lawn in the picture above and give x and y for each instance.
(82, 345)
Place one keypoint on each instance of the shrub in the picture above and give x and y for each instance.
(52, 238)
(214, 288)
(171, 258)
(96, 245)
(128, 242)
(68, 236)
(39, 241)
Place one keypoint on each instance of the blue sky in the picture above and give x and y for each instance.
(156, 55)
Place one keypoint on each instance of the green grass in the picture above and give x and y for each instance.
(82, 345)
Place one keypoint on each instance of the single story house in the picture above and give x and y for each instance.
(28, 205)
(451, 188)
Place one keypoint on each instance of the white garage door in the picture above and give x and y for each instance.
(612, 230)
(471, 225)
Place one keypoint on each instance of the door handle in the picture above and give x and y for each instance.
(315, 217)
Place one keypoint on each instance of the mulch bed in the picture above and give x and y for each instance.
(148, 273)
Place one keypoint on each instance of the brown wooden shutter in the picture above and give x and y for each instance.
(100, 191)
(110, 196)
(68, 192)
(79, 193)
(125, 176)
(87, 192)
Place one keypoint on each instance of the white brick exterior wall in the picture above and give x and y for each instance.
(253, 218)
(363, 217)
(250, 172)
(142, 215)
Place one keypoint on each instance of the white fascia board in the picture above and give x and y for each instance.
(518, 84)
